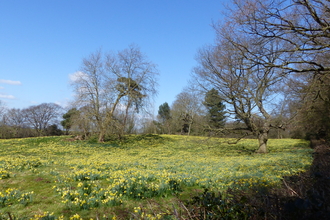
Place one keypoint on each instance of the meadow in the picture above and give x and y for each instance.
(57, 178)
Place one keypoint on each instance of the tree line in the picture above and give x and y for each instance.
(265, 75)
(269, 64)
(36, 120)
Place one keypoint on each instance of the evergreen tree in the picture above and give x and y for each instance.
(215, 109)
(68, 119)
(164, 112)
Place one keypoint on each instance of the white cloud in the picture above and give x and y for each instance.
(10, 82)
(63, 103)
(77, 75)
(2, 87)
(7, 96)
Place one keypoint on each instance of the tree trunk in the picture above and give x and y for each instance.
(189, 128)
(125, 119)
(168, 125)
(263, 138)
(101, 136)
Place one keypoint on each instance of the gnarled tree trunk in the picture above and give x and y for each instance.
(101, 137)
(263, 139)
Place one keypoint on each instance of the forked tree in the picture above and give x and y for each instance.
(109, 84)
(302, 28)
(247, 87)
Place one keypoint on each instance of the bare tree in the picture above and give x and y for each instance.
(2, 119)
(91, 91)
(15, 119)
(185, 110)
(247, 86)
(112, 83)
(261, 43)
(41, 116)
(301, 26)
(2, 109)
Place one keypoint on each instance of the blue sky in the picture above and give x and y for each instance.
(42, 42)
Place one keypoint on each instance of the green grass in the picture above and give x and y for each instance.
(60, 179)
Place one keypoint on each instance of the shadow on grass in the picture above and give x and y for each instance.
(304, 196)
(130, 140)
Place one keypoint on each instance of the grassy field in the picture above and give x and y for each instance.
(54, 178)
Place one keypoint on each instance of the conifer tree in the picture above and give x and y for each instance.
(164, 113)
(215, 109)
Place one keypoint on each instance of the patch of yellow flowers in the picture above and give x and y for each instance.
(47, 215)
(92, 176)
(4, 174)
(12, 195)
